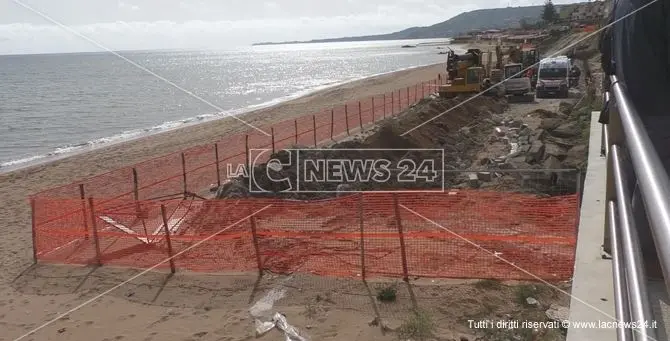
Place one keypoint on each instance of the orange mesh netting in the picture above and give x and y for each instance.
(448, 235)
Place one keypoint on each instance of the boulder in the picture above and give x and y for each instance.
(536, 152)
(550, 123)
(233, 189)
(552, 162)
(565, 108)
(555, 150)
(566, 130)
(484, 176)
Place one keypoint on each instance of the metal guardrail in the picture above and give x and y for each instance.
(626, 143)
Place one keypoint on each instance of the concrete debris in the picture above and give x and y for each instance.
(531, 301)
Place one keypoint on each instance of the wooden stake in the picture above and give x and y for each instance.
(346, 117)
(332, 122)
(314, 128)
(373, 109)
(96, 241)
(82, 196)
(254, 235)
(401, 236)
(296, 131)
(272, 130)
(360, 115)
(360, 219)
(168, 240)
(218, 169)
(34, 229)
(183, 168)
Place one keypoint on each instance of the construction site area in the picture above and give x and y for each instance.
(488, 234)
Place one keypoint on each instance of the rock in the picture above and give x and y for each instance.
(575, 156)
(538, 134)
(484, 176)
(473, 180)
(570, 129)
(497, 118)
(233, 189)
(460, 146)
(391, 324)
(565, 143)
(531, 301)
(464, 130)
(524, 148)
(485, 161)
(499, 131)
(543, 113)
(515, 124)
(550, 123)
(565, 108)
(557, 313)
(536, 152)
(555, 150)
(518, 162)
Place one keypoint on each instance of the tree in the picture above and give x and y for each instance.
(549, 14)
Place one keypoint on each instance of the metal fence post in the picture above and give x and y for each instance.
(247, 162)
(96, 241)
(373, 109)
(401, 235)
(392, 103)
(384, 113)
(168, 240)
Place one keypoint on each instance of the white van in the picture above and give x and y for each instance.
(553, 77)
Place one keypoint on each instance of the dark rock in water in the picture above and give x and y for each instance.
(233, 189)
(570, 129)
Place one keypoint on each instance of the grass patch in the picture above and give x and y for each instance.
(419, 326)
(387, 294)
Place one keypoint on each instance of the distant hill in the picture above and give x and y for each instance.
(495, 18)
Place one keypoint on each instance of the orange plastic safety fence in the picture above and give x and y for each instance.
(459, 234)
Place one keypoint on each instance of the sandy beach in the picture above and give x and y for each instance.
(30, 297)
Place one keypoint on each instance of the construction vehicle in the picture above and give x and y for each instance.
(517, 83)
(467, 74)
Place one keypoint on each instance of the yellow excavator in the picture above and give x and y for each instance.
(466, 72)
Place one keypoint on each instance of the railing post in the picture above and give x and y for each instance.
(360, 115)
(34, 228)
(218, 167)
(168, 240)
(362, 228)
(401, 235)
(82, 196)
(346, 117)
(183, 168)
(615, 137)
(94, 225)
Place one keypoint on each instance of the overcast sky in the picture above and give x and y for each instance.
(151, 24)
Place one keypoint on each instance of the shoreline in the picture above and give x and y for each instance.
(90, 146)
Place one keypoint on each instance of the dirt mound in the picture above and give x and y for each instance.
(409, 151)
